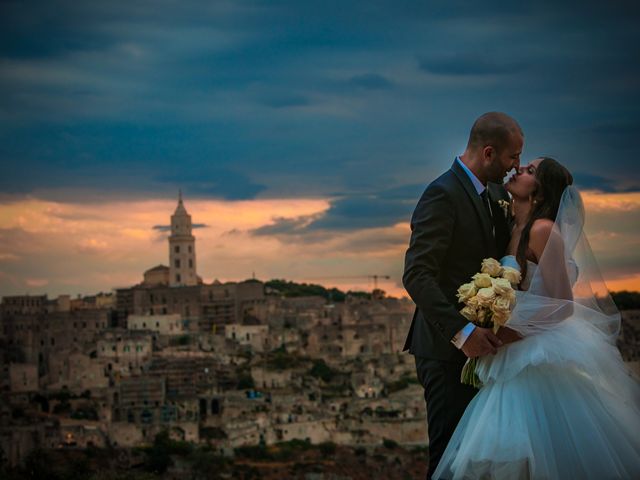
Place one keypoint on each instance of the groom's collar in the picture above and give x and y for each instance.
(477, 184)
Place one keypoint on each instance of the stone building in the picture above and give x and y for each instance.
(141, 400)
(23, 377)
(25, 305)
(256, 337)
(161, 324)
(126, 352)
(156, 276)
(178, 290)
(76, 371)
(182, 249)
(266, 378)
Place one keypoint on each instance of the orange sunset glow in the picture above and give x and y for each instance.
(55, 248)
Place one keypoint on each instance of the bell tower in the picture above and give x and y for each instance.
(182, 248)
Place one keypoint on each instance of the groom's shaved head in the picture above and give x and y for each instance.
(494, 129)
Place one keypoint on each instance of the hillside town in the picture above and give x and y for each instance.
(223, 364)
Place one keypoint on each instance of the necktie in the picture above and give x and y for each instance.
(485, 199)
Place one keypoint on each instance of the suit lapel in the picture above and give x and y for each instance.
(476, 201)
(501, 219)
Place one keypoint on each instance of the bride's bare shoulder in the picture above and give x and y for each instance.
(539, 236)
(542, 226)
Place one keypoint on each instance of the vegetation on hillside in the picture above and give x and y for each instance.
(626, 300)
(293, 289)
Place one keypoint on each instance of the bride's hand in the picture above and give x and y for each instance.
(508, 335)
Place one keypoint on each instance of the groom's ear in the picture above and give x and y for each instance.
(488, 152)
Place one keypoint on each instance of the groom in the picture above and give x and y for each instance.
(456, 224)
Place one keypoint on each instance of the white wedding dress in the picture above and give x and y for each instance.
(558, 404)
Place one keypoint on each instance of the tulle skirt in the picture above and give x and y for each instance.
(557, 405)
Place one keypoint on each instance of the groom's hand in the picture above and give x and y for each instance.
(508, 335)
(482, 341)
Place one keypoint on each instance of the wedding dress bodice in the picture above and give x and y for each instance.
(510, 261)
(532, 267)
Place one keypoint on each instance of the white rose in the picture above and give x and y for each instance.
(491, 267)
(511, 274)
(499, 320)
(502, 286)
(482, 280)
(501, 305)
(486, 296)
(466, 291)
(512, 298)
(473, 302)
(469, 313)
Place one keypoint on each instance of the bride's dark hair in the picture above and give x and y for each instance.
(551, 180)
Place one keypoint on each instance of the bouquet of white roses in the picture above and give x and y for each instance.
(489, 299)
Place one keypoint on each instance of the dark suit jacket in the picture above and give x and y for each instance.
(451, 233)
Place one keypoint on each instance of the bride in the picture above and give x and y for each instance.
(558, 402)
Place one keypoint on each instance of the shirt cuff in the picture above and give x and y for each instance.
(461, 337)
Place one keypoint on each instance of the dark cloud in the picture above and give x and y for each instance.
(250, 99)
(383, 209)
(284, 226)
(473, 63)
(588, 181)
(211, 183)
(285, 101)
(370, 81)
(617, 134)
(355, 213)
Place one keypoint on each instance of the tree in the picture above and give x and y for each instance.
(626, 300)
(321, 370)
(245, 381)
(158, 458)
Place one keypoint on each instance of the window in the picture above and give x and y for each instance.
(176, 249)
(189, 248)
(190, 263)
(177, 263)
(177, 277)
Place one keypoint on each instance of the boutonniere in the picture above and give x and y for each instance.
(505, 206)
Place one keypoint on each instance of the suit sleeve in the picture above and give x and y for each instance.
(432, 227)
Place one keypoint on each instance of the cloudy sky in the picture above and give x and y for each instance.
(301, 133)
